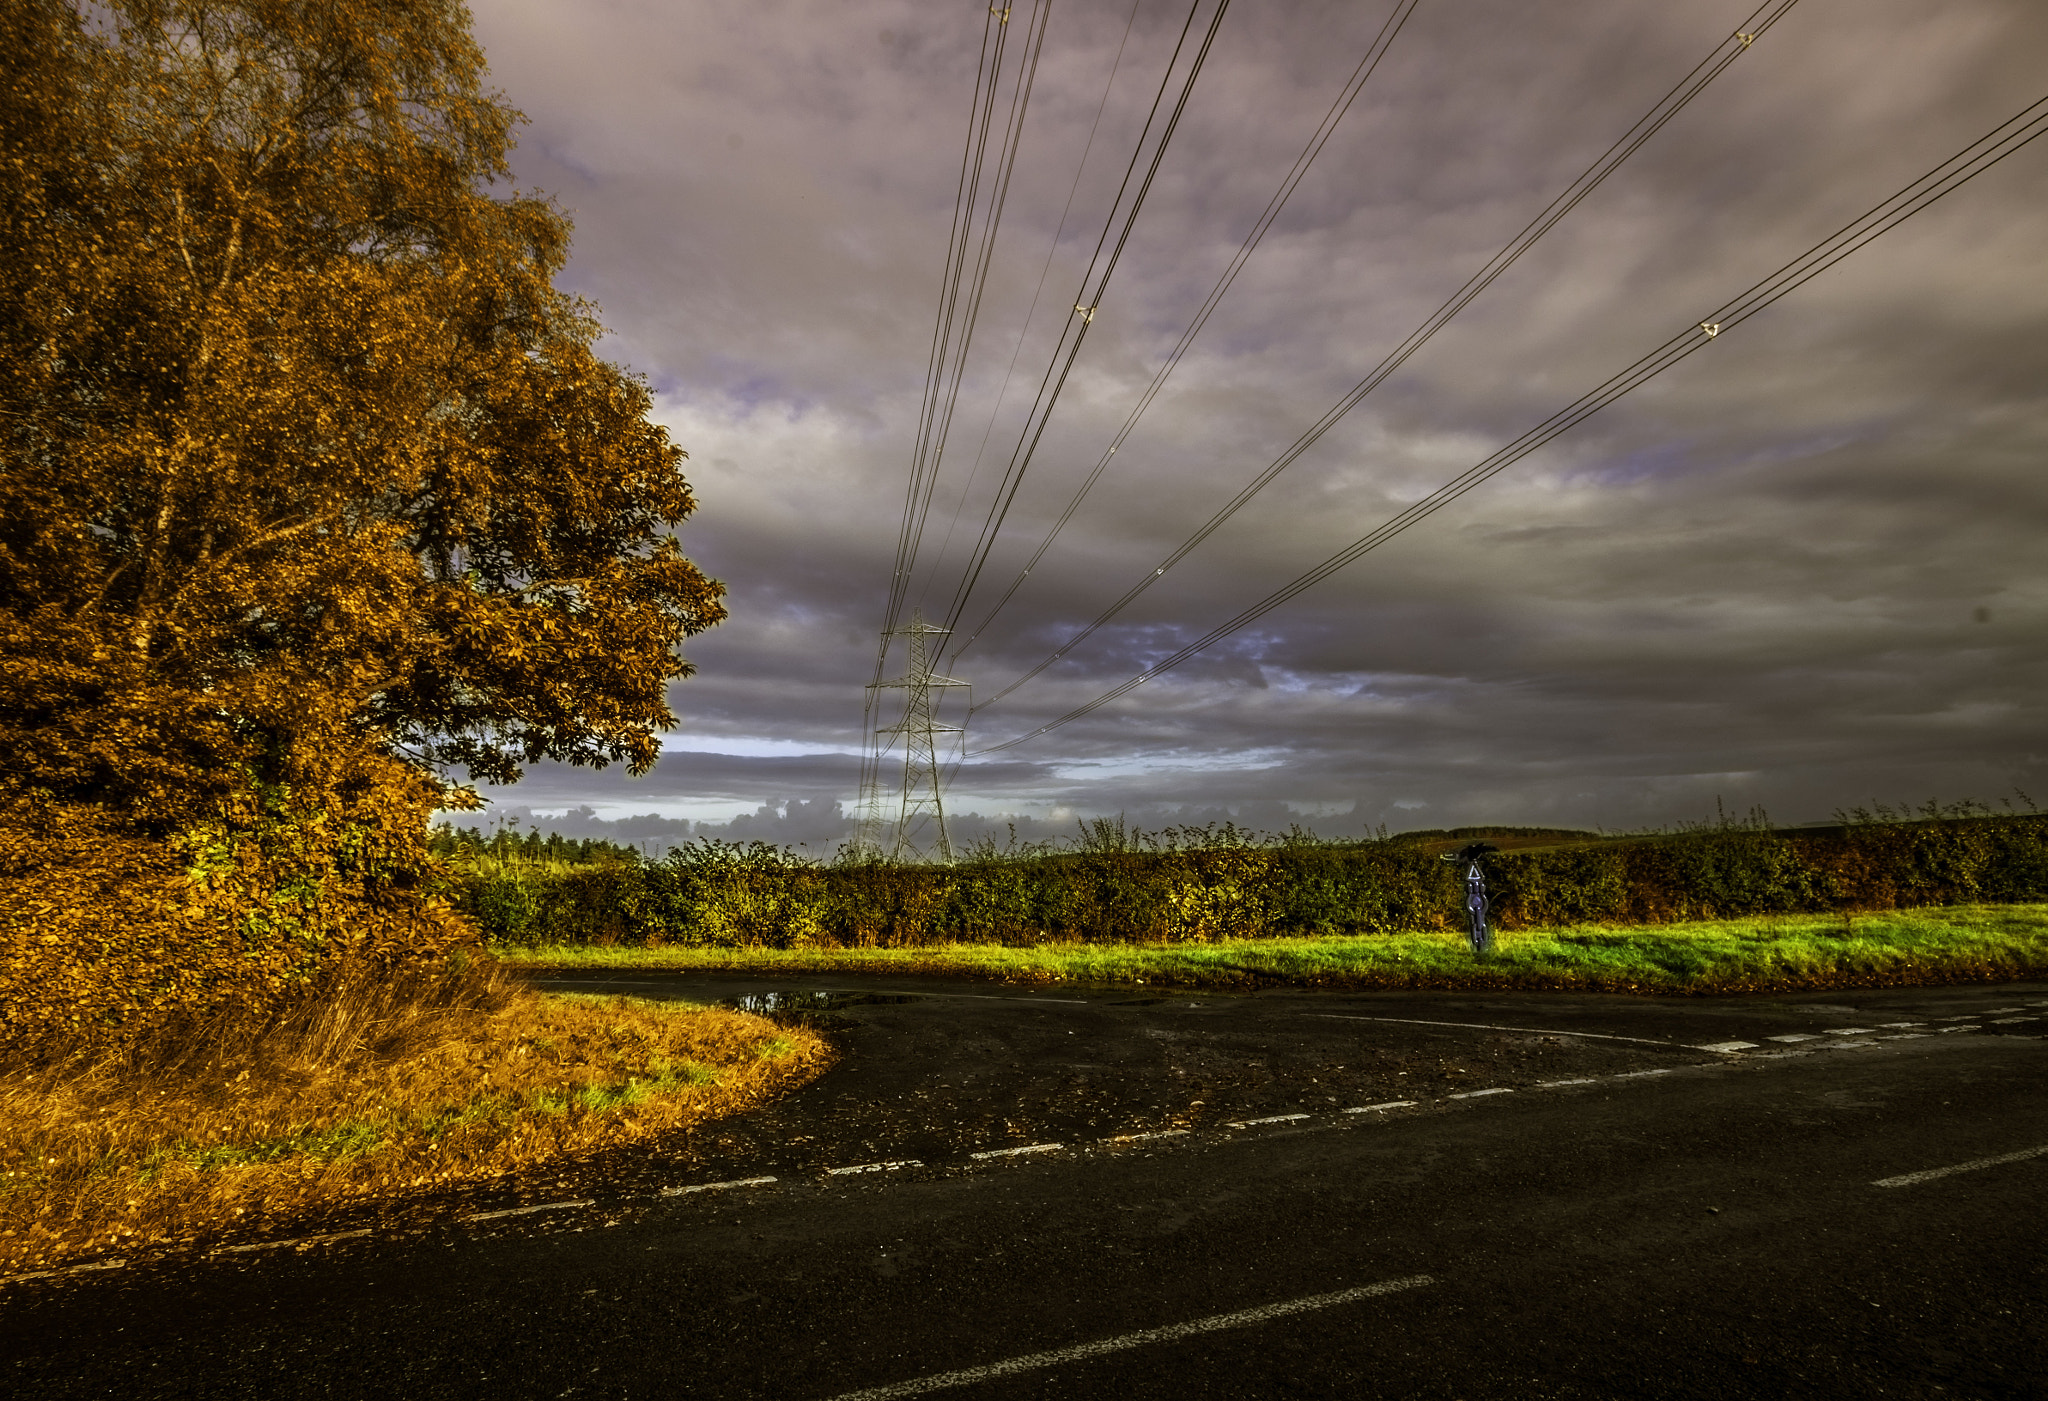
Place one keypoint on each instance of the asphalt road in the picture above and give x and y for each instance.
(1284, 1194)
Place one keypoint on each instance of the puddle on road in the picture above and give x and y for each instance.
(798, 1008)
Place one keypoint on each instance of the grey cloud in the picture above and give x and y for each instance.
(1756, 578)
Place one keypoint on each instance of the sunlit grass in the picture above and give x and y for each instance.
(1964, 942)
(106, 1158)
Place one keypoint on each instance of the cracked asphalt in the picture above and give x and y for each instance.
(1283, 1194)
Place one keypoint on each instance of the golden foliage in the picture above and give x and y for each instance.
(306, 458)
(110, 937)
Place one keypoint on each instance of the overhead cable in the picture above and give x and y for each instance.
(1038, 292)
(1944, 179)
(1086, 302)
(916, 499)
(1352, 87)
(1667, 107)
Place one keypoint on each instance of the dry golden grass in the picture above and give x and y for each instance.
(370, 1091)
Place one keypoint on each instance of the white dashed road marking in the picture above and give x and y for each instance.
(1553, 1084)
(67, 1270)
(1269, 1119)
(1851, 1030)
(1475, 1094)
(1035, 1361)
(1390, 1104)
(716, 1186)
(1908, 1179)
(1013, 1152)
(302, 1240)
(526, 1210)
(874, 1167)
(1795, 1036)
(1639, 1074)
(1726, 1046)
(1483, 1026)
(1147, 1137)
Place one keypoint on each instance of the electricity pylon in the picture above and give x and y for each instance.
(920, 730)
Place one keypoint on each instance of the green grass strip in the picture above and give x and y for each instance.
(1960, 943)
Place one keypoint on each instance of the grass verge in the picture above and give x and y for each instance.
(196, 1150)
(1960, 943)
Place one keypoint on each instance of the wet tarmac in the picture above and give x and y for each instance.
(1830, 1195)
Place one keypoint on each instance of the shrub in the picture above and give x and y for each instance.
(1118, 885)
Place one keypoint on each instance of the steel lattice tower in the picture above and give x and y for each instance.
(920, 730)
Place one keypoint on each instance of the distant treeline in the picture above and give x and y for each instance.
(1119, 886)
(505, 845)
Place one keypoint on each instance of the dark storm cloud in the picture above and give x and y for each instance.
(1803, 568)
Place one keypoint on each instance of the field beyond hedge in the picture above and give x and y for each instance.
(1954, 944)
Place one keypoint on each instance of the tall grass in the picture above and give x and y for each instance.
(376, 1087)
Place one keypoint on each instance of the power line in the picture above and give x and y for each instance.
(1589, 180)
(1087, 302)
(1950, 175)
(1031, 312)
(1349, 94)
(1019, 104)
(925, 454)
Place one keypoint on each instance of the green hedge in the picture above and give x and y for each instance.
(745, 895)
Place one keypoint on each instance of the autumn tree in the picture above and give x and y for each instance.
(310, 470)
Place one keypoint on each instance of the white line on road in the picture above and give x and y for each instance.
(1850, 1030)
(1147, 1137)
(526, 1210)
(1908, 1179)
(1270, 1119)
(1639, 1074)
(1901, 1026)
(1013, 1152)
(2000, 1011)
(874, 1167)
(67, 1270)
(1390, 1104)
(1795, 1036)
(716, 1186)
(300, 1241)
(1475, 1094)
(1553, 1084)
(1034, 1361)
(1486, 1026)
(1725, 1046)
(2008, 1021)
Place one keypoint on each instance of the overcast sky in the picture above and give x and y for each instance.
(1803, 569)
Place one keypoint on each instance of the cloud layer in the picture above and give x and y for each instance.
(1802, 569)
